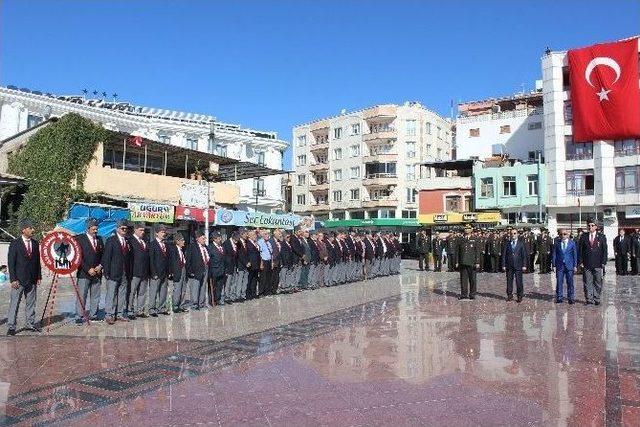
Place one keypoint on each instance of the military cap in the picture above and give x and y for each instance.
(215, 235)
(178, 237)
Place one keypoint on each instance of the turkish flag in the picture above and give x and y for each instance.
(605, 95)
(136, 141)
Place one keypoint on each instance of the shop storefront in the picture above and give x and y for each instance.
(455, 221)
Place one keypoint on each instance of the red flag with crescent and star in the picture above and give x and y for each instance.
(605, 93)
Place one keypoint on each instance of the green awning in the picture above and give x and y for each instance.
(375, 222)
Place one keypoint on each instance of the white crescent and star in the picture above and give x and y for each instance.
(606, 62)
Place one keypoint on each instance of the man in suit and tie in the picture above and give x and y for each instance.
(592, 256)
(266, 265)
(276, 260)
(198, 270)
(253, 256)
(137, 294)
(564, 258)
(159, 270)
(24, 276)
(514, 262)
(178, 273)
(621, 245)
(231, 267)
(116, 265)
(90, 271)
(297, 250)
(217, 270)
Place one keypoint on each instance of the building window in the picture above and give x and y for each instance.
(355, 129)
(355, 172)
(411, 150)
(486, 187)
(355, 194)
(627, 179)
(411, 172)
(409, 214)
(164, 137)
(578, 150)
(580, 182)
(439, 154)
(260, 158)
(338, 215)
(532, 184)
(337, 153)
(534, 125)
(387, 213)
(427, 128)
(192, 142)
(439, 132)
(410, 127)
(337, 196)
(302, 199)
(258, 187)
(505, 129)
(452, 203)
(302, 140)
(337, 133)
(428, 153)
(337, 175)
(509, 186)
(475, 132)
(302, 160)
(568, 113)
(356, 215)
(411, 195)
(355, 150)
(321, 159)
(468, 203)
(33, 120)
(302, 179)
(627, 147)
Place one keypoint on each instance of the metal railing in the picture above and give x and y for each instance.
(380, 175)
(580, 156)
(581, 192)
(630, 151)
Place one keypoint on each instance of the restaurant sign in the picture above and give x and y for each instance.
(151, 212)
(262, 220)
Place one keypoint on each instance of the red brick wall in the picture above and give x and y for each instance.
(432, 201)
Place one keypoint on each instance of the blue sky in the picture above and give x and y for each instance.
(273, 64)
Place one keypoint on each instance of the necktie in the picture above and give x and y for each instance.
(564, 246)
(591, 239)
(95, 243)
(28, 246)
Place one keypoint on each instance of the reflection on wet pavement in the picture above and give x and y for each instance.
(400, 350)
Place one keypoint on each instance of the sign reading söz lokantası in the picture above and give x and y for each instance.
(261, 220)
(151, 212)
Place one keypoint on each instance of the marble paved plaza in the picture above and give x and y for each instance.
(398, 351)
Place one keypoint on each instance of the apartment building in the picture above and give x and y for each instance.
(364, 164)
(591, 179)
(511, 126)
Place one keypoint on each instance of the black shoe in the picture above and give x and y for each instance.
(472, 297)
(132, 317)
(142, 316)
(558, 301)
(33, 329)
(153, 315)
(177, 310)
(94, 318)
(11, 332)
(165, 313)
(461, 298)
(509, 297)
(79, 322)
(519, 299)
(597, 303)
(588, 302)
(228, 302)
(571, 301)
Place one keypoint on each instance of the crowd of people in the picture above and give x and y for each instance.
(517, 252)
(140, 273)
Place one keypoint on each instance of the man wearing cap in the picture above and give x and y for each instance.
(197, 270)
(24, 275)
(137, 294)
(231, 267)
(544, 247)
(116, 265)
(242, 279)
(177, 273)
(217, 270)
(159, 269)
(592, 257)
(90, 271)
(468, 261)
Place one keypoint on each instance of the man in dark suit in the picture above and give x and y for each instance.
(514, 261)
(297, 250)
(635, 252)
(159, 269)
(116, 265)
(137, 294)
(545, 245)
(178, 273)
(592, 256)
(90, 271)
(231, 267)
(198, 270)
(621, 251)
(242, 277)
(217, 270)
(24, 275)
(369, 255)
(564, 259)
(276, 260)
(253, 256)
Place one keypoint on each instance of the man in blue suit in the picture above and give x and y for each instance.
(564, 259)
(514, 261)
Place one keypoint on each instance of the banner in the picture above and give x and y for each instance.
(195, 194)
(151, 212)
(193, 214)
(263, 220)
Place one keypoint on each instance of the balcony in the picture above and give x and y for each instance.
(632, 151)
(321, 186)
(380, 135)
(579, 193)
(321, 126)
(380, 179)
(318, 207)
(319, 166)
(380, 157)
(323, 145)
(381, 112)
(579, 156)
(380, 203)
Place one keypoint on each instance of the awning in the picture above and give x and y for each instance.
(374, 222)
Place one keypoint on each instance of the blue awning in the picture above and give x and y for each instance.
(107, 217)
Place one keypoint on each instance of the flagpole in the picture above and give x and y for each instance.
(124, 151)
